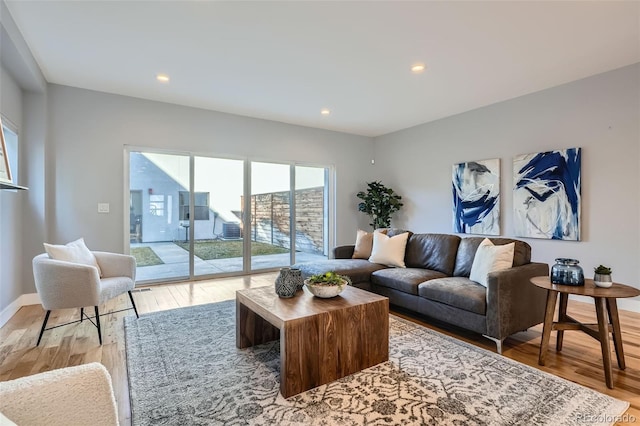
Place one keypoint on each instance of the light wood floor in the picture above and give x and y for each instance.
(580, 360)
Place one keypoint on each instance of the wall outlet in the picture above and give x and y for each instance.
(103, 207)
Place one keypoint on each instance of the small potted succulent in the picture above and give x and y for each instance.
(602, 276)
(327, 285)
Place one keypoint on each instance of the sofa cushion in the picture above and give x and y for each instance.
(458, 292)
(359, 270)
(389, 250)
(364, 243)
(490, 258)
(432, 251)
(469, 246)
(405, 279)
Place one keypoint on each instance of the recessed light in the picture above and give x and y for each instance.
(325, 111)
(418, 68)
(162, 78)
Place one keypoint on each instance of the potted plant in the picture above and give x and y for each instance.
(327, 285)
(602, 276)
(380, 203)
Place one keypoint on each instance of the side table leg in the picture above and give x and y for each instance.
(603, 334)
(252, 329)
(562, 317)
(612, 307)
(552, 296)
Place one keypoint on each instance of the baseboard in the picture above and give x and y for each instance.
(23, 300)
(632, 305)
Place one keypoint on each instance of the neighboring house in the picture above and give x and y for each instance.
(159, 211)
(159, 207)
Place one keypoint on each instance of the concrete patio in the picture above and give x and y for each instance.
(176, 262)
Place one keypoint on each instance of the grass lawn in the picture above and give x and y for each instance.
(145, 256)
(217, 249)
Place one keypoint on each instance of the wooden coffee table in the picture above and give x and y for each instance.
(321, 340)
(605, 301)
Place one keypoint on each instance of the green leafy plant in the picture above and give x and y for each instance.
(379, 202)
(329, 278)
(602, 270)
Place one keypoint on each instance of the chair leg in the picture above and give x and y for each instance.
(134, 305)
(81, 314)
(98, 325)
(44, 324)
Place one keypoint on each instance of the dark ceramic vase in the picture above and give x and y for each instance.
(288, 282)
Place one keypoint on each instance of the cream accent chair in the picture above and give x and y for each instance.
(63, 285)
(81, 395)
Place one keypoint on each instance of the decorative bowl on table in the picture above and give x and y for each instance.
(326, 285)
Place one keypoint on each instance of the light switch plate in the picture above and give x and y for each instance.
(103, 207)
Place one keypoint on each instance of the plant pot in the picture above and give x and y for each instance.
(602, 280)
(325, 291)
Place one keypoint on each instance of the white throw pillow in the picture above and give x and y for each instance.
(4, 421)
(491, 258)
(75, 251)
(389, 251)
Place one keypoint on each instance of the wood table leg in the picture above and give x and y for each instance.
(612, 307)
(552, 296)
(562, 317)
(252, 329)
(603, 334)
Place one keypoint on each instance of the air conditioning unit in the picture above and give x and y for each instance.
(231, 231)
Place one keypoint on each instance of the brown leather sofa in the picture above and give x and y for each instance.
(436, 283)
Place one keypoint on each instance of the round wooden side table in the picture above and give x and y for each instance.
(605, 301)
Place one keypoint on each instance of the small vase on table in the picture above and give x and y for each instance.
(287, 282)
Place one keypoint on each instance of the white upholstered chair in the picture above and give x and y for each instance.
(80, 395)
(62, 285)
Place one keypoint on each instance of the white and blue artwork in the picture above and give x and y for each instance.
(546, 194)
(476, 197)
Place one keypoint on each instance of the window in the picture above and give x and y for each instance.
(200, 208)
(156, 205)
(11, 142)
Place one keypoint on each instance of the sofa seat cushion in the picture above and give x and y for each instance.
(404, 279)
(459, 292)
(359, 270)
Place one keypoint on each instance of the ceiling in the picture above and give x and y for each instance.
(285, 61)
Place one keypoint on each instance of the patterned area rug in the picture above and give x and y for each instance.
(184, 369)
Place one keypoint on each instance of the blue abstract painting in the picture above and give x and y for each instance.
(546, 194)
(476, 197)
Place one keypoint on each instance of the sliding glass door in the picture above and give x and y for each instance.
(198, 216)
(156, 233)
(270, 215)
(217, 216)
(311, 213)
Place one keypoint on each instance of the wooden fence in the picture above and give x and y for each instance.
(270, 219)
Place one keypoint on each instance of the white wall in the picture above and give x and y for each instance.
(88, 132)
(601, 114)
(10, 204)
(34, 175)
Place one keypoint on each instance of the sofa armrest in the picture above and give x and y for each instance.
(513, 303)
(80, 395)
(116, 265)
(343, 252)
